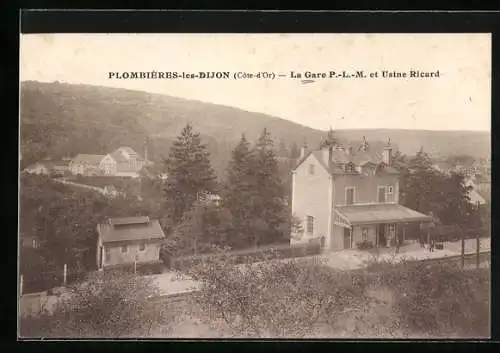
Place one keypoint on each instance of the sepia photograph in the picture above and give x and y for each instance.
(257, 186)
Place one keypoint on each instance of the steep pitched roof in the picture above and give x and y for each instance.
(118, 157)
(88, 158)
(485, 196)
(341, 157)
(130, 229)
(127, 149)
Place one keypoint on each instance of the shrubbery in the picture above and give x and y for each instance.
(439, 300)
(109, 304)
(249, 256)
(295, 298)
(273, 298)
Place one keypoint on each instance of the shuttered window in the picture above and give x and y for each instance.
(310, 224)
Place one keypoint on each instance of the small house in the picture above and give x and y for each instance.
(39, 169)
(129, 240)
(86, 164)
(110, 191)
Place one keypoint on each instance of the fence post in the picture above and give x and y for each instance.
(21, 286)
(65, 274)
(478, 244)
(463, 247)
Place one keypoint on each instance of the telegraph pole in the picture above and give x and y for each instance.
(478, 243)
(463, 246)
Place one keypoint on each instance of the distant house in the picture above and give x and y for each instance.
(60, 168)
(123, 241)
(110, 191)
(477, 196)
(28, 241)
(209, 199)
(108, 165)
(483, 183)
(86, 164)
(128, 162)
(39, 168)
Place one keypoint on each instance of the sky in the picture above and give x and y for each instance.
(460, 99)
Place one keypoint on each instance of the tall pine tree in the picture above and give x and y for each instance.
(240, 193)
(189, 174)
(270, 213)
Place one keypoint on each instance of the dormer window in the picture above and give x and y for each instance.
(349, 168)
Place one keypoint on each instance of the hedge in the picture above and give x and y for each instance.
(250, 255)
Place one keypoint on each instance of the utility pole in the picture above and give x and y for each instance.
(478, 245)
(65, 274)
(463, 247)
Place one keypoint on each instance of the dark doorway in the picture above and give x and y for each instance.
(381, 239)
(347, 238)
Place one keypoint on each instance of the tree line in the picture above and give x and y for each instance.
(252, 211)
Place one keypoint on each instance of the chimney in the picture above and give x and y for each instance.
(302, 152)
(387, 154)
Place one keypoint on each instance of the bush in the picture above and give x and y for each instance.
(273, 298)
(293, 298)
(109, 304)
(364, 245)
(150, 269)
(247, 256)
(438, 300)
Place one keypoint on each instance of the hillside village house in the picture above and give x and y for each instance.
(123, 241)
(86, 164)
(49, 167)
(110, 191)
(127, 162)
(345, 197)
(39, 168)
(123, 162)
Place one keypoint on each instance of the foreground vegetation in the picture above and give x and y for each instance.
(294, 299)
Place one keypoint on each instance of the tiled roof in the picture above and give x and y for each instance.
(88, 159)
(130, 229)
(380, 213)
(340, 158)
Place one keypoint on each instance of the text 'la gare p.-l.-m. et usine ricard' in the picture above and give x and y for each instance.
(270, 75)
